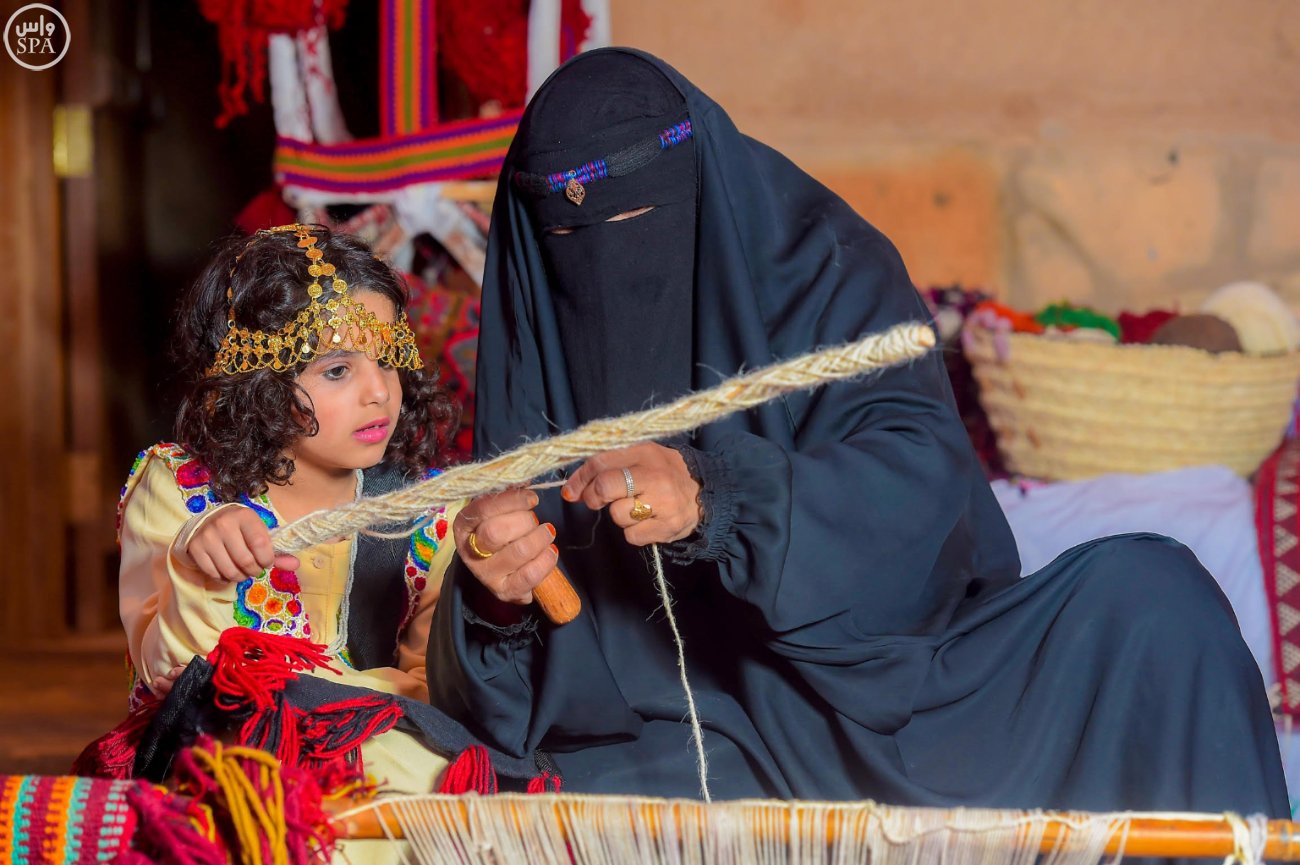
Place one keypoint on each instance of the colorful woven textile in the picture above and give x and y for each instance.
(1277, 503)
(450, 151)
(408, 53)
(58, 820)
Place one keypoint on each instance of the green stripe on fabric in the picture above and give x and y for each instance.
(410, 15)
(409, 160)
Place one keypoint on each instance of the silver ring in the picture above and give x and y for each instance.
(627, 479)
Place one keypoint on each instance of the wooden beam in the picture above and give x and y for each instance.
(33, 507)
(90, 508)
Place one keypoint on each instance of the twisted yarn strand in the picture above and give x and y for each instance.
(897, 345)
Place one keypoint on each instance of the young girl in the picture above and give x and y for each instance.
(304, 391)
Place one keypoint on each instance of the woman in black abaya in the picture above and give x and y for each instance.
(845, 583)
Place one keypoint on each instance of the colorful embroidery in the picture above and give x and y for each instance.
(675, 135)
(191, 476)
(584, 174)
(631, 158)
(425, 542)
(127, 487)
(268, 602)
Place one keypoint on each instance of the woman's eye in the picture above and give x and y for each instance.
(335, 373)
(630, 214)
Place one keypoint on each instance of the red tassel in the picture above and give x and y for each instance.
(310, 837)
(249, 666)
(275, 730)
(179, 823)
(112, 755)
(336, 729)
(344, 774)
(243, 27)
(544, 783)
(471, 772)
(164, 833)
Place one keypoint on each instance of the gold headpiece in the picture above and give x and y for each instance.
(353, 326)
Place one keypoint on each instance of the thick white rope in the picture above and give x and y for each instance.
(899, 344)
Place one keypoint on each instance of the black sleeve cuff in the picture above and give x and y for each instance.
(717, 508)
(519, 634)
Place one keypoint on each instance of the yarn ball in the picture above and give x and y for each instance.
(1139, 328)
(1065, 316)
(1263, 321)
(1198, 330)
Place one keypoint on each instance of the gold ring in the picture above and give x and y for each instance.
(473, 545)
(641, 511)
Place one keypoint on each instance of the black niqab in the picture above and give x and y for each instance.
(621, 289)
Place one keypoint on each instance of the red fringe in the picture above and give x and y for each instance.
(243, 27)
(309, 837)
(471, 772)
(544, 783)
(337, 729)
(275, 730)
(253, 668)
(164, 832)
(112, 755)
(249, 666)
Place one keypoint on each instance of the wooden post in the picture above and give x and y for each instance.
(33, 505)
(89, 505)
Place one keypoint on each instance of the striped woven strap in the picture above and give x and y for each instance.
(451, 151)
(63, 820)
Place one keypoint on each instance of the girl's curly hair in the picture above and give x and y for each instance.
(240, 426)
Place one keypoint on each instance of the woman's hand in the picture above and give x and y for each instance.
(510, 552)
(660, 480)
(231, 545)
(162, 685)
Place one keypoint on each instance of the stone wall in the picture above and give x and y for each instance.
(1120, 154)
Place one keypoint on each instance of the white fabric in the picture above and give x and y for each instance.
(598, 35)
(288, 96)
(304, 99)
(1209, 509)
(317, 72)
(543, 41)
(422, 208)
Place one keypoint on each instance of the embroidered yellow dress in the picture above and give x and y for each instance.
(172, 613)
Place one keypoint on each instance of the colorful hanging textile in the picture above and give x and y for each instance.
(377, 166)
(1277, 503)
(408, 71)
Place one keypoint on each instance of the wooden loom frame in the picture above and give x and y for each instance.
(1145, 834)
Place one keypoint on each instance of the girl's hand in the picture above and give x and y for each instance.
(162, 685)
(511, 553)
(661, 481)
(231, 545)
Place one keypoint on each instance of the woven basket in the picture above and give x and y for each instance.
(1063, 409)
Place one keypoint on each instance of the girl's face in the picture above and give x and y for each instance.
(356, 401)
